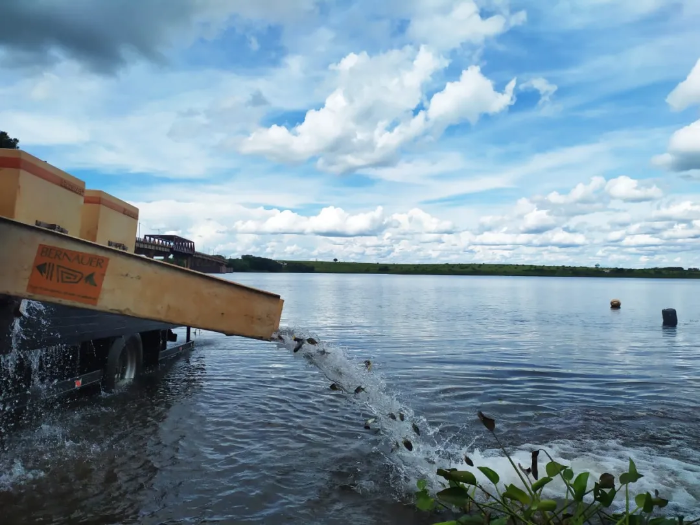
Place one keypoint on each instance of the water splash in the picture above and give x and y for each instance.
(24, 369)
(411, 443)
(675, 479)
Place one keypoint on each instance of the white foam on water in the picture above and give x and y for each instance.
(675, 479)
(17, 474)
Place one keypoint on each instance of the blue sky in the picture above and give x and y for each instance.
(559, 132)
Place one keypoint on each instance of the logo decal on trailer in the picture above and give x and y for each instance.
(67, 274)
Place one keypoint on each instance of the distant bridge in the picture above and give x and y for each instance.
(182, 251)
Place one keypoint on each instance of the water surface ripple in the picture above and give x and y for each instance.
(248, 432)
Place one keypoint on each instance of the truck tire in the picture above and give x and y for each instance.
(124, 362)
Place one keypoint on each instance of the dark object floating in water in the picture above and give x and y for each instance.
(534, 468)
(615, 304)
(415, 428)
(468, 461)
(526, 471)
(368, 365)
(408, 444)
(359, 389)
(312, 341)
(334, 386)
(392, 416)
(401, 417)
(669, 316)
(299, 345)
(488, 422)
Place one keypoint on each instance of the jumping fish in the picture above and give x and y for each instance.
(408, 444)
(359, 389)
(369, 422)
(401, 416)
(368, 365)
(468, 461)
(392, 416)
(299, 345)
(334, 386)
(312, 341)
(415, 428)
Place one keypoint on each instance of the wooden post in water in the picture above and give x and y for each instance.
(669, 316)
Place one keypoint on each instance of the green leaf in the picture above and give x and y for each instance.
(660, 502)
(537, 485)
(633, 467)
(645, 502)
(458, 476)
(457, 496)
(490, 475)
(500, 521)
(606, 498)
(453, 522)
(425, 502)
(607, 481)
(580, 486)
(471, 519)
(631, 476)
(463, 476)
(663, 521)
(422, 484)
(568, 474)
(515, 493)
(553, 468)
(547, 505)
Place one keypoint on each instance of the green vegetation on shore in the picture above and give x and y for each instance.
(609, 500)
(250, 263)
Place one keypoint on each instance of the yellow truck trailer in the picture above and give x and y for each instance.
(84, 301)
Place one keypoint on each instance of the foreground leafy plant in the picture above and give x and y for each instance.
(478, 504)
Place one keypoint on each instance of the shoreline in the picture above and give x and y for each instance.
(249, 263)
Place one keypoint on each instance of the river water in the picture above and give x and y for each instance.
(243, 431)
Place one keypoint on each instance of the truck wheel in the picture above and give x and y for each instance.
(124, 362)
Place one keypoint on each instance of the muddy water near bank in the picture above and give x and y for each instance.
(249, 432)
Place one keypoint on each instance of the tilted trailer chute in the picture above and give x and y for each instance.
(108, 305)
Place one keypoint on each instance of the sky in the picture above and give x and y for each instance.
(564, 132)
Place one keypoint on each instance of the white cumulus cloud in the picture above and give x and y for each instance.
(687, 93)
(627, 189)
(581, 193)
(468, 98)
(369, 116)
(683, 150)
(336, 222)
(447, 25)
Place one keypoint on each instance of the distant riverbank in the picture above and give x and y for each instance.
(249, 263)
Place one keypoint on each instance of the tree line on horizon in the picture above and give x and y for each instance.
(252, 263)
